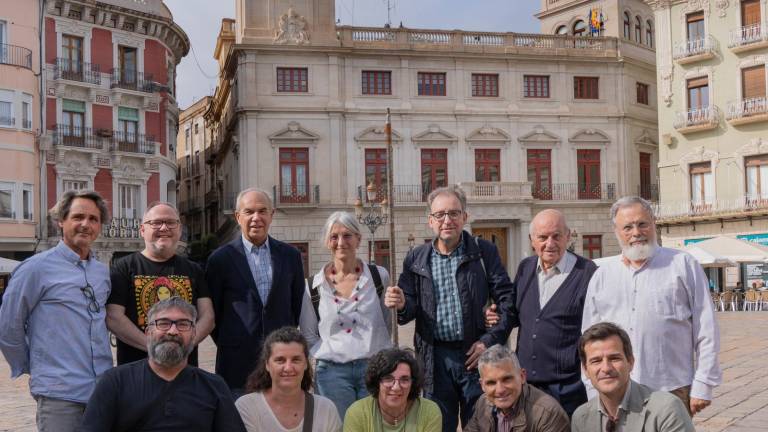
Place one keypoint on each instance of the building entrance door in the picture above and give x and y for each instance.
(497, 236)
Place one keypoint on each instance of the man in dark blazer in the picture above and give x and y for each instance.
(257, 286)
(548, 302)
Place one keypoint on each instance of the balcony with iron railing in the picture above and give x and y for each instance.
(6, 121)
(747, 38)
(697, 120)
(26, 123)
(287, 196)
(404, 194)
(738, 207)
(694, 50)
(648, 191)
(746, 111)
(133, 143)
(130, 79)
(574, 191)
(73, 136)
(13, 55)
(71, 70)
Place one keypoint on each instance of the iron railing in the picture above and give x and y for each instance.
(15, 56)
(746, 108)
(77, 71)
(130, 79)
(74, 136)
(575, 191)
(296, 195)
(746, 35)
(711, 206)
(403, 194)
(693, 47)
(133, 142)
(648, 191)
(706, 116)
(8, 121)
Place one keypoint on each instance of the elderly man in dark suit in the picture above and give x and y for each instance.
(256, 284)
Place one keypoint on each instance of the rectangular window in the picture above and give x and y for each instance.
(27, 203)
(695, 26)
(753, 82)
(304, 251)
(588, 166)
(294, 175)
(485, 85)
(3, 41)
(128, 65)
(698, 93)
(292, 80)
(750, 13)
(74, 185)
(540, 173)
(6, 108)
(431, 83)
(585, 88)
(6, 200)
(381, 253)
(26, 111)
(487, 165)
(377, 82)
(645, 176)
(128, 197)
(536, 86)
(702, 186)
(593, 246)
(73, 123)
(72, 57)
(434, 170)
(642, 93)
(757, 178)
(376, 171)
(127, 128)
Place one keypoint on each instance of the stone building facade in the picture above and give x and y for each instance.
(522, 122)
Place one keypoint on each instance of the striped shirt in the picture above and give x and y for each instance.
(449, 315)
(260, 262)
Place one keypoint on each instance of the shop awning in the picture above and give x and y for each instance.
(7, 265)
(707, 258)
(734, 249)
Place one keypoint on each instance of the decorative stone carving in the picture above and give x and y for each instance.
(722, 7)
(645, 139)
(699, 154)
(294, 133)
(590, 136)
(434, 135)
(375, 135)
(539, 136)
(291, 28)
(488, 135)
(665, 78)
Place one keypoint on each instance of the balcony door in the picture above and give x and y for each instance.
(540, 173)
(695, 28)
(128, 66)
(73, 122)
(645, 175)
(757, 181)
(750, 14)
(702, 187)
(434, 170)
(376, 172)
(294, 175)
(497, 236)
(487, 165)
(588, 163)
(72, 57)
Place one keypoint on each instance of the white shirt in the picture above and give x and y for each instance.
(550, 280)
(665, 308)
(258, 416)
(336, 338)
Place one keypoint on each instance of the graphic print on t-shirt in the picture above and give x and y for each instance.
(151, 289)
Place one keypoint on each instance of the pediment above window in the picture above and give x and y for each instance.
(376, 135)
(434, 135)
(646, 140)
(590, 136)
(539, 136)
(294, 133)
(488, 136)
(699, 154)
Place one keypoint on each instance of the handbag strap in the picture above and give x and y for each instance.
(309, 411)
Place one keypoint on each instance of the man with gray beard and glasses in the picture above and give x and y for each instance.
(660, 296)
(163, 392)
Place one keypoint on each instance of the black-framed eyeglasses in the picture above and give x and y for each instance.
(93, 305)
(164, 324)
(157, 224)
(452, 214)
(389, 381)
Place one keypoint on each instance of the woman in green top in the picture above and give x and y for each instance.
(394, 380)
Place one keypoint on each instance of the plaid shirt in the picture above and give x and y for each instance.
(260, 262)
(449, 315)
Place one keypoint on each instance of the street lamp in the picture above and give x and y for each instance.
(372, 215)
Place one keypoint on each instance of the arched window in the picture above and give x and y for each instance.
(638, 30)
(562, 30)
(627, 31)
(649, 33)
(579, 28)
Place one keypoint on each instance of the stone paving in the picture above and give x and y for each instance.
(740, 403)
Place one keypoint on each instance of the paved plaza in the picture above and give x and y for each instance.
(741, 403)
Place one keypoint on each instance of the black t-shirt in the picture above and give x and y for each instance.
(138, 283)
(128, 394)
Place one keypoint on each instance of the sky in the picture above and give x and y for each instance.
(201, 20)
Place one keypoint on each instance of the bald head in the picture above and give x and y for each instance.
(549, 235)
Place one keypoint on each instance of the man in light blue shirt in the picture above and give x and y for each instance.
(52, 318)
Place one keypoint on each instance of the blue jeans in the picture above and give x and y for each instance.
(454, 386)
(342, 383)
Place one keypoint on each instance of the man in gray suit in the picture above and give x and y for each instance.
(622, 404)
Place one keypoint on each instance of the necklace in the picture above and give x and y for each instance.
(334, 272)
(346, 323)
(396, 418)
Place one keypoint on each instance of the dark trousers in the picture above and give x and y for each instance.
(454, 386)
(569, 394)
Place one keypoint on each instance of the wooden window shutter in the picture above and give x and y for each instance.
(750, 12)
(698, 82)
(701, 168)
(753, 82)
(696, 16)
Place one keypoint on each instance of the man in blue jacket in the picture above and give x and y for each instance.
(445, 286)
(548, 301)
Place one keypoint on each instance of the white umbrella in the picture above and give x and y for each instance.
(707, 258)
(735, 249)
(7, 265)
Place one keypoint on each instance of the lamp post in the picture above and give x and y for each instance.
(372, 215)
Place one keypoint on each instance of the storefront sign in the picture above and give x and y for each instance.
(761, 239)
(123, 228)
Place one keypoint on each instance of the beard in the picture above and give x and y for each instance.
(168, 350)
(638, 252)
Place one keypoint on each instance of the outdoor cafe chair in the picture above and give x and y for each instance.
(752, 300)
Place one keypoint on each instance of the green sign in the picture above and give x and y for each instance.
(761, 239)
(686, 242)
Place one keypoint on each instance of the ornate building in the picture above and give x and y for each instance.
(195, 179)
(110, 110)
(522, 122)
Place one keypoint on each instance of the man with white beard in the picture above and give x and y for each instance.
(162, 392)
(660, 296)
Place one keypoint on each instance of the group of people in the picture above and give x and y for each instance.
(630, 346)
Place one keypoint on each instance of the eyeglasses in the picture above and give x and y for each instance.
(157, 224)
(164, 324)
(389, 381)
(452, 214)
(93, 305)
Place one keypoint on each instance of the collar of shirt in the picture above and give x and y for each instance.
(515, 416)
(564, 265)
(249, 246)
(71, 256)
(459, 251)
(623, 406)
